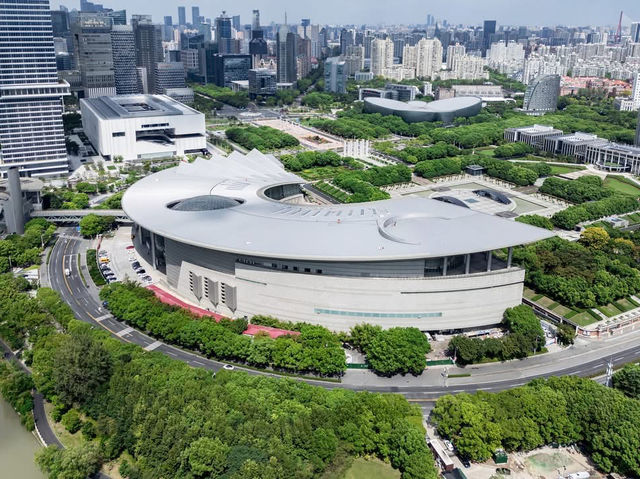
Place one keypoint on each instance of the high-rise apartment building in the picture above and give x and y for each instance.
(182, 16)
(31, 131)
(286, 51)
(124, 60)
(335, 75)
(354, 59)
(346, 40)
(454, 52)
(638, 131)
(381, 55)
(92, 40)
(195, 16)
(429, 61)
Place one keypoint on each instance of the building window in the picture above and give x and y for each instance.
(117, 133)
(318, 271)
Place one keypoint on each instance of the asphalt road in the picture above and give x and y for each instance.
(87, 307)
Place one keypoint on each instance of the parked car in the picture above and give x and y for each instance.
(448, 445)
(466, 463)
(147, 278)
(105, 304)
(503, 470)
(141, 271)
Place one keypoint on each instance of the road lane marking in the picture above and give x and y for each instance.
(126, 330)
(153, 346)
(197, 362)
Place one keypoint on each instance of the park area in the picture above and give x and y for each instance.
(307, 138)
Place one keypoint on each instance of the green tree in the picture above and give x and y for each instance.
(92, 224)
(627, 380)
(81, 365)
(205, 457)
(72, 463)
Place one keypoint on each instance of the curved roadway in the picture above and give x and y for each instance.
(584, 360)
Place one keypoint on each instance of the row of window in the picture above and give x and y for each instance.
(363, 314)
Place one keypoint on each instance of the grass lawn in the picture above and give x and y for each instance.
(633, 218)
(369, 469)
(487, 153)
(624, 304)
(583, 319)
(561, 310)
(562, 169)
(529, 293)
(620, 184)
(66, 438)
(546, 302)
(609, 310)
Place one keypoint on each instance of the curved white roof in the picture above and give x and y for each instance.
(438, 106)
(258, 226)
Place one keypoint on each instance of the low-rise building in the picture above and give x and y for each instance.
(574, 144)
(142, 126)
(531, 135)
(262, 82)
(613, 157)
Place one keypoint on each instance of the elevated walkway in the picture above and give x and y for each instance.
(74, 216)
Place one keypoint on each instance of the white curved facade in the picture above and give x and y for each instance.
(216, 229)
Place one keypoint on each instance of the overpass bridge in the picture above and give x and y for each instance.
(74, 216)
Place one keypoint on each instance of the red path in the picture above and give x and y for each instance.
(251, 330)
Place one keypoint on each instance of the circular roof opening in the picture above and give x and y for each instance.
(204, 203)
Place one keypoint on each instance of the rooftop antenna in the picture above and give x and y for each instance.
(285, 18)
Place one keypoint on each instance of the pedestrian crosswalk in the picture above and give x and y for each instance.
(152, 346)
(125, 331)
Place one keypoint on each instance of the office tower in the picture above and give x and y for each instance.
(262, 82)
(354, 59)
(286, 55)
(258, 47)
(335, 75)
(487, 32)
(31, 132)
(346, 39)
(637, 143)
(124, 60)
(224, 35)
(430, 20)
(235, 22)
(255, 20)
(60, 22)
(381, 56)
(229, 68)
(167, 29)
(169, 75)
(635, 32)
(303, 57)
(168, 21)
(149, 52)
(542, 94)
(92, 41)
(119, 17)
(89, 7)
(182, 16)
(195, 16)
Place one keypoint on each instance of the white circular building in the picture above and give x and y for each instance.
(228, 235)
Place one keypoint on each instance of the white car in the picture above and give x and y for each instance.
(228, 367)
(448, 445)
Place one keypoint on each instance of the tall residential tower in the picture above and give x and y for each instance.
(31, 132)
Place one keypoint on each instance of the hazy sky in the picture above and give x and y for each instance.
(507, 12)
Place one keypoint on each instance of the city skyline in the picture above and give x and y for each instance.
(468, 12)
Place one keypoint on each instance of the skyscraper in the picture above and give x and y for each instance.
(488, 30)
(182, 16)
(286, 50)
(235, 21)
(124, 59)
(148, 40)
(224, 35)
(195, 16)
(346, 40)
(635, 32)
(381, 55)
(92, 39)
(255, 20)
(31, 132)
(169, 75)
